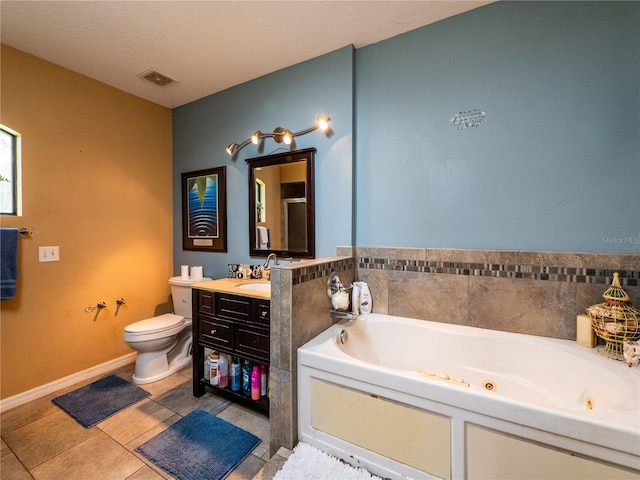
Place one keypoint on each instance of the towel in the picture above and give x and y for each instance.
(8, 262)
(263, 240)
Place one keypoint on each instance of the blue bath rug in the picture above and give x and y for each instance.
(93, 403)
(199, 446)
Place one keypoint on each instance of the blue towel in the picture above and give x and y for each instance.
(8, 262)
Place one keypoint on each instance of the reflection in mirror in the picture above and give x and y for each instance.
(281, 204)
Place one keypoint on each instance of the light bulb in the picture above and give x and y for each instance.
(231, 148)
(255, 138)
(288, 137)
(323, 123)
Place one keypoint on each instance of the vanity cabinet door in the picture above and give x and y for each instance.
(252, 342)
(262, 312)
(206, 303)
(216, 332)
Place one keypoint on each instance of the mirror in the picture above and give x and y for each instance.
(281, 205)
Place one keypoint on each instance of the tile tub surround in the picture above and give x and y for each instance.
(299, 311)
(537, 293)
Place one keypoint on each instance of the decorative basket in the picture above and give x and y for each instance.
(615, 320)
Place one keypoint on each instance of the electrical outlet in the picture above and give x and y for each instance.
(49, 254)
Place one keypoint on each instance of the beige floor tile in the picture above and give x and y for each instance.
(252, 422)
(180, 399)
(164, 385)
(145, 473)
(23, 414)
(41, 440)
(248, 469)
(5, 450)
(98, 457)
(152, 432)
(12, 469)
(134, 421)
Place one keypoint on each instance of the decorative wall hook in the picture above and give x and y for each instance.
(98, 308)
(119, 302)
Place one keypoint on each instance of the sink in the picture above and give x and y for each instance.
(255, 286)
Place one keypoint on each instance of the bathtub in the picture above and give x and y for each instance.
(408, 398)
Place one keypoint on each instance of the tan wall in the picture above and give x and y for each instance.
(96, 168)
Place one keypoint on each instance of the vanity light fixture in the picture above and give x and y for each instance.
(281, 135)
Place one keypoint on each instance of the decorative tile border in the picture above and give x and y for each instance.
(321, 270)
(629, 278)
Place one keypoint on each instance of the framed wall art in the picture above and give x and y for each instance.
(204, 210)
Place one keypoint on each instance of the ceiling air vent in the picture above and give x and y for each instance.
(156, 77)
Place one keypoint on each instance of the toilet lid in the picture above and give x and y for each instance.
(155, 324)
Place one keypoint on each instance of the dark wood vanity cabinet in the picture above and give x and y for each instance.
(230, 324)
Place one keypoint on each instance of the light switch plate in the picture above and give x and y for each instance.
(49, 254)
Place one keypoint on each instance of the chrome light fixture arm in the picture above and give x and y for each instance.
(280, 135)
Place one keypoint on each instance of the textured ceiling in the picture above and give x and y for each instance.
(206, 46)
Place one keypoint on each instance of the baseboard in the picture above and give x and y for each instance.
(35, 393)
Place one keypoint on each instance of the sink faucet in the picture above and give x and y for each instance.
(266, 270)
(271, 256)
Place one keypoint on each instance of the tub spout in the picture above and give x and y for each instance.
(342, 315)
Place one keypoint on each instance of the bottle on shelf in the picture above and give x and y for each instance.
(213, 369)
(223, 372)
(263, 380)
(207, 372)
(236, 374)
(246, 378)
(255, 383)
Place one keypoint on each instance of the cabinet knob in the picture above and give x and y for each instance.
(213, 332)
(264, 313)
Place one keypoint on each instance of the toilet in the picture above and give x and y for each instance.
(164, 342)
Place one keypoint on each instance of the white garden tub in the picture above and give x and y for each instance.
(409, 398)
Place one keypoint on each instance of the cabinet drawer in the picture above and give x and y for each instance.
(206, 302)
(216, 331)
(262, 312)
(233, 307)
(253, 342)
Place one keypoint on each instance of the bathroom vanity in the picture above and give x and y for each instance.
(231, 316)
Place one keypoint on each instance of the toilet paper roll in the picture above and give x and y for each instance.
(196, 272)
(184, 272)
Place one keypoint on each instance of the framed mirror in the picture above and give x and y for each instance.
(282, 205)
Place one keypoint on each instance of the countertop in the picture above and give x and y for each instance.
(230, 285)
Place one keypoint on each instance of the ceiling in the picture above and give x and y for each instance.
(206, 46)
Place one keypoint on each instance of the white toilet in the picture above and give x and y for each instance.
(164, 342)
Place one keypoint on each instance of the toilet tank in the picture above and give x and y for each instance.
(181, 294)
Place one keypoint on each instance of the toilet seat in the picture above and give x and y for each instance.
(155, 327)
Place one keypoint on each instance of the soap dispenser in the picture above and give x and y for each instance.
(365, 299)
(355, 298)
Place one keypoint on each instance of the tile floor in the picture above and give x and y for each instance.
(40, 441)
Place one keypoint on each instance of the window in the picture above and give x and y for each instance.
(10, 191)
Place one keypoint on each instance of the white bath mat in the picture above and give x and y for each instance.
(309, 463)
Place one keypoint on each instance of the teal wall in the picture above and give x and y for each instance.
(556, 165)
(291, 98)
